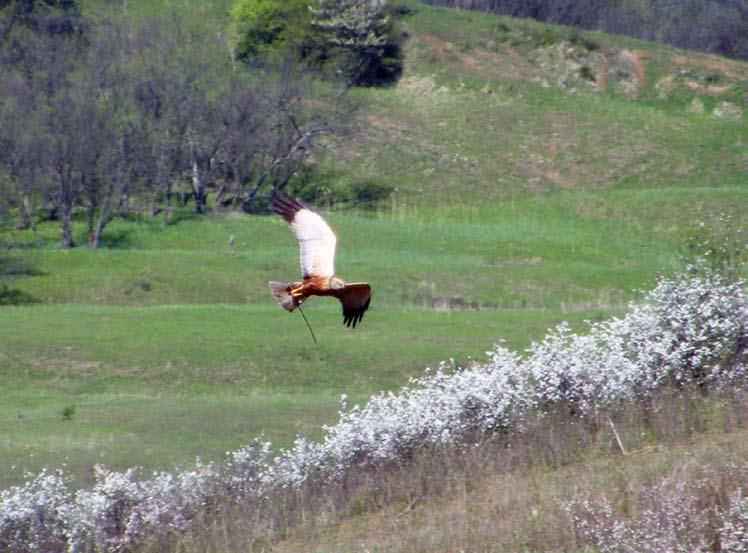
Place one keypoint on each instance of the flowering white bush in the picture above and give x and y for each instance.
(32, 517)
(121, 510)
(690, 330)
(246, 467)
(671, 520)
(435, 409)
(733, 535)
(701, 321)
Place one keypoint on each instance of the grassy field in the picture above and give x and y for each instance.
(169, 346)
(160, 385)
(516, 206)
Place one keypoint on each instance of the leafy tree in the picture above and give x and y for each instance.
(19, 149)
(53, 17)
(111, 172)
(284, 130)
(362, 31)
(161, 92)
(101, 122)
(265, 26)
(40, 42)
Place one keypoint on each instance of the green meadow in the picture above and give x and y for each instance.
(169, 346)
(515, 206)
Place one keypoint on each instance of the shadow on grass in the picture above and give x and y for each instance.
(11, 296)
(179, 215)
(12, 267)
(116, 239)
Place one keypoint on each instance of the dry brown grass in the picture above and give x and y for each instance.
(508, 492)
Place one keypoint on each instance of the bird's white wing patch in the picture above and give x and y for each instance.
(317, 242)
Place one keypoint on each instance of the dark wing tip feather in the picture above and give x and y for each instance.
(287, 207)
(351, 317)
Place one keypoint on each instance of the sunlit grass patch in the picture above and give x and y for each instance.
(158, 386)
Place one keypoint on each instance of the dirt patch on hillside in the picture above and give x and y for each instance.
(507, 64)
(638, 65)
(712, 80)
(733, 69)
(571, 66)
(713, 90)
(665, 84)
(626, 70)
(545, 168)
(576, 152)
(446, 51)
(386, 123)
(553, 159)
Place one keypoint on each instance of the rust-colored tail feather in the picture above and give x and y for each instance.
(280, 291)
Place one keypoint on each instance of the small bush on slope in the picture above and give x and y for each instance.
(691, 331)
(734, 532)
(682, 513)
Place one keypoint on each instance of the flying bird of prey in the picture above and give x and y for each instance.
(317, 242)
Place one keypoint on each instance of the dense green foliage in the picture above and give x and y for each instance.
(262, 26)
(357, 41)
(365, 37)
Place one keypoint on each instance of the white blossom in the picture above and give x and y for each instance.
(733, 534)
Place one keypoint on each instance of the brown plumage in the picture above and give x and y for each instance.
(317, 243)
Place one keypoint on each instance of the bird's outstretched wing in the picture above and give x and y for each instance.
(316, 239)
(355, 299)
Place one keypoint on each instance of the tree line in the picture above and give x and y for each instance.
(102, 117)
(716, 26)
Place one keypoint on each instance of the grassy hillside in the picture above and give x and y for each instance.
(526, 193)
(523, 509)
(491, 107)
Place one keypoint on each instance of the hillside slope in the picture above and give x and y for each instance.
(524, 510)
(492, 107)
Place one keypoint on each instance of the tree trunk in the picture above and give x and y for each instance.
(198, 187)
(252, 193)
(152, 204)
(219, 198)
(249, 198)
(167, 201)
(123, 201)
(23, 213)
(112, 193)
(66, 235)
(236, 185)
(67, 202)
(94, 239)
(90, 215)
(29, 209)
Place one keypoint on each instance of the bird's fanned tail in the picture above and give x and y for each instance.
(280, 291)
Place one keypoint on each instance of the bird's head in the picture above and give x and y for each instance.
(337, 283)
